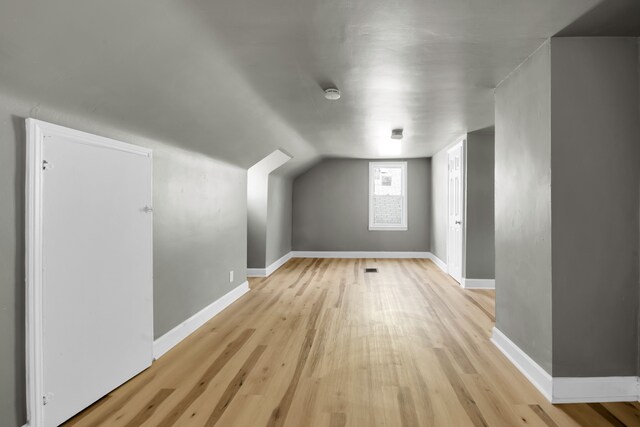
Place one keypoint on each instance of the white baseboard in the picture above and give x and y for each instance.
(186, 328)
(371, 254)
(529, 368)
(266, 272)
(437, 261)
(568, 389)
(256, 272)
(478, 283)
(595, 389)
(360, 254)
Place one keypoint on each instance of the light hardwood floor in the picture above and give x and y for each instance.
(321, 343)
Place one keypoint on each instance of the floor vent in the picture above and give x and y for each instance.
(370, 270)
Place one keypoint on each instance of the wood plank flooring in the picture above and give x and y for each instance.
(321, 343)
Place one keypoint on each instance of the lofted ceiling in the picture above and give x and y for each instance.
(237, 79)
(613, 18)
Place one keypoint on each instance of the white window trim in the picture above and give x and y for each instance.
(378, 227)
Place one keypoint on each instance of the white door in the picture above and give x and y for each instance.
(456, 209)
(97, 319)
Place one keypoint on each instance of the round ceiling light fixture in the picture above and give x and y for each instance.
(396, 134)
(332, 93)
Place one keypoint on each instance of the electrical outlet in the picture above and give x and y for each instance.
(231, 276)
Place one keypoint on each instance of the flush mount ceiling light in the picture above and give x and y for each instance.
(332, 93)
(396, 134)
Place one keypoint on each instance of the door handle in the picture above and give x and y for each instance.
(147, 209)
(458, 222)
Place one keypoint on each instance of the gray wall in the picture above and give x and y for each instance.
(480, 232)
(191, 262)
(523, 207)
(260, 204)
(330, 209)
(595, 161)
(279, 217)
(199, 228)
(257, 197)
(571, 109)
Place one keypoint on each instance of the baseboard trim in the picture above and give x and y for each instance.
(478, 283)
(437, 261)
(371, 254)
(256, 272)
(266, 272)
(568, 389)
(595, 389)
(186, 328)
(360, 254)
(525, 364)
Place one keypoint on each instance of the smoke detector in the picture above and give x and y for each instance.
(396, 134)
(332, 93)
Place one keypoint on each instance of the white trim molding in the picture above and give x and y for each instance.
(595, 389)
(371, 254)
(525, 364)
(478, 283)
(266, 272)
(568, 389)
(437, 261)
(186, 328)
(257, 272)
(33, 271)
(361, 254)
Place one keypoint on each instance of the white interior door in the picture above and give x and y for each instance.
(456, 209)
(96, 288)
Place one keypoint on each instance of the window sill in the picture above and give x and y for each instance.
(387, 228)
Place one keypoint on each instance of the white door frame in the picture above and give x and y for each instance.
(37, 131)
(460, 143)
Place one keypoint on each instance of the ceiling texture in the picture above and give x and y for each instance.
(237, 79)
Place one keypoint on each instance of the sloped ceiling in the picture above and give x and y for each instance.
(609, 18)
(237, 79)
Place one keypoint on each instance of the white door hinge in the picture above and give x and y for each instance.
(47, 398)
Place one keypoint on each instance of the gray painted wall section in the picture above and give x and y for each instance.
(279, 218)
(191, 263)
(258, 196)
(12, 301)
(523, 207)
(595, 152)
(331, 209)
(199, 228)
(480, 231)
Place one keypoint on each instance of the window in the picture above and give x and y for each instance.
(388, 196)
